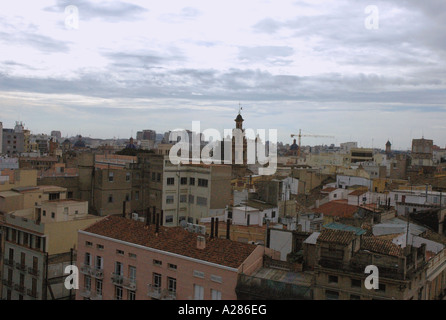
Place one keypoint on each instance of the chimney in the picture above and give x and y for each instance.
(201, 242)
(228, 228)
(157, 226)
(161, 218)
(153, 214)
(212, 228)
(216, 227)
(123, 209)
(149, 216)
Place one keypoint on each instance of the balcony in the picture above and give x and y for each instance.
(154, 292)
(168, 295)
(129, 283)
(19, 288)
(86, 293)
(8, 283)
(9, 262)
(33, 272)
(97, 273)
(31, 293)
(117, 279)
(20, 266)
(95, 296)
(86, 269)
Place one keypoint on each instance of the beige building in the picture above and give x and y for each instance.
(38, 245)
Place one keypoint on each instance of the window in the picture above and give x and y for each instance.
(88, 244)
(331, 295)
(118, 268)
(53, 215)
(170, 181)
(87, 259)
(110, 198)
(131, 295)
(191, 199)
(158, 177)
(191, 181)
(170, 199)
(132, 273)
(183, 198)
(169, 219)
(215, 294)
(110, 176)
(198, 274)
(157, 262)
(87, 281)
(156, 280)
(203, 183)
(44, 213)
(136, 195)
(118, 293)
(172, 266)
(201, 201)
(127, 176)
(99, 263)
(183, 181)
(198, 292)
(132, 255)
(216, 278)
(99, 287)
(172, 284)
(332, 279)
(120, 252)
(100, 247)
(127, 197)
(356, 283)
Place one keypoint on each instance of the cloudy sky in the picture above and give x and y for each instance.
(314, 65)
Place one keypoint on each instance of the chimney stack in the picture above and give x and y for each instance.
(216, 227)
(123, 209)
(228, 227)
(201, 242)
(212, 228)
(153, 214)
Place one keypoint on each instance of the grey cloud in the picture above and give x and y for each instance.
(266, 54)
(110, 11)
(38, 41)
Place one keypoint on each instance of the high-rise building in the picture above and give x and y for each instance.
(1, 137)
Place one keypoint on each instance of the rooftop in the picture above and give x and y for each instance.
(382, 246)
(336, 236)
(340, 226)
(173, 239)
(338, 208)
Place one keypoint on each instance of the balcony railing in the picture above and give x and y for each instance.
(117, 279)
(19, 288)
(8, 283)
(9, 262)
(33, 271)
(154, 292)
(86, 269)
(86, 293)
(97, 273)
(95, 296)
(20, 266)
(129, 283)
(32, 293)
(168, 295)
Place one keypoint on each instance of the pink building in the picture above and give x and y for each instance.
(120, 258)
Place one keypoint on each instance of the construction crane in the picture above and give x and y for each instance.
(300, 135)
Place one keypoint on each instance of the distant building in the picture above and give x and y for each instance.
(422, 152)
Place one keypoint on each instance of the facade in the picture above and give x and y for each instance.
(361, 155)
(123, 259)
(13, 141)
(342, 257)
(38, 244)
(422, 152)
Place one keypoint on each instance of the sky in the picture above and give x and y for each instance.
(364, 71)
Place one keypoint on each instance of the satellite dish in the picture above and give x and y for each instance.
(183, 223)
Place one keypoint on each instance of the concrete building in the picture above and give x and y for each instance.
(152, 262)
(422, 152)
(361, 155)
(38, 245)
(1, 137)
(13, 140)
(343, 256)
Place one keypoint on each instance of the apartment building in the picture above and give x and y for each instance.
(342, 257)
(188, 192)
(38, 244)
(124, 259)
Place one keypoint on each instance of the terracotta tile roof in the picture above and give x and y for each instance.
(337, 208)
(173, 239)
(381, 246)
(336, 236)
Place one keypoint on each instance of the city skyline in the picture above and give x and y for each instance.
(310, 65)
